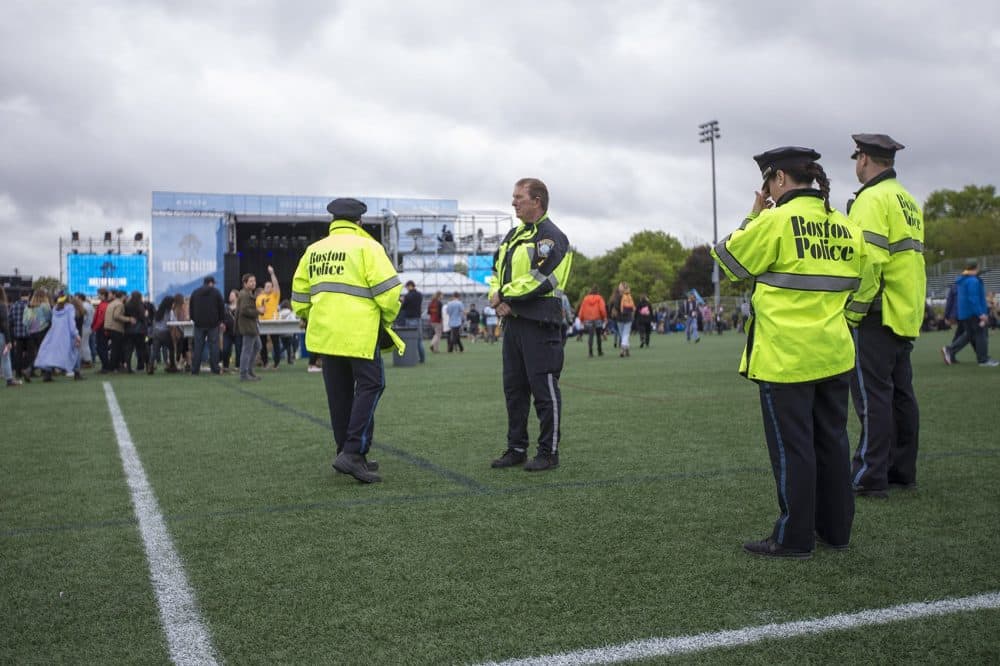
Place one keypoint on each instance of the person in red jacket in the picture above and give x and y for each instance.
(593, 313)
(97, 326)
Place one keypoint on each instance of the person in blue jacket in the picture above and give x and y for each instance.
(972, 314)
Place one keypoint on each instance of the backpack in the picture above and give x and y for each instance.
(628, 305)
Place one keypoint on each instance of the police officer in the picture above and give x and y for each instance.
(348, 291)
(805, 259)
(887, 311)
(530, 270)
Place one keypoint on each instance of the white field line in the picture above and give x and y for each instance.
(666, 647)
(187, 637)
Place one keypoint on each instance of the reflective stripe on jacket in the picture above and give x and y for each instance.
(895, 280)
(530, 270)
(348, 290)
(805, 263)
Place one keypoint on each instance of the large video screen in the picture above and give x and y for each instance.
(86, 273)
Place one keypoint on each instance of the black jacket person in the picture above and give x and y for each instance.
(530, 270)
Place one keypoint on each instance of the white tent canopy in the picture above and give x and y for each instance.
(445, 282)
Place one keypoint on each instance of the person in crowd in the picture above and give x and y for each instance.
(473, 317)
(208, 315)
(350, 331)
(247, 325)
(267, 303)
(37, 318)
(626, 314)
(886, 313)
(530, 269)
(614, 304)
(455, 313)
(161, 337)
(288, 341)
(720, 319)
(231, 342)
(490, 322)
(86, 332)
(435, 310)
(60, 348)
(594, 316)
(691, 317)
(6, 341)
(972, 313)
(19, 348)
(115, 322)
(411, 311)
(180, 311)
(102, 343)
(644, 319)
(804, 388)
(135, 333)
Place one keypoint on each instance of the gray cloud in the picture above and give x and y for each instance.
(100, 105)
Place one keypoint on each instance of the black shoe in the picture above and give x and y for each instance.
(859, 491)
(77, 376)
(831, 546)
(769, 548)
(900, 485)
(372, 465)
(542, 462)
(355, 465)
(510, 458)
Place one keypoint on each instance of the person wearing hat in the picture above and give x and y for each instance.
(208, 312)
(805, 259)
(347, 290)
(530, 272)
(886, 313)
(972, 313)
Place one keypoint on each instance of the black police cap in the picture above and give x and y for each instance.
(876, 145)
(784, 158)
(347, 209)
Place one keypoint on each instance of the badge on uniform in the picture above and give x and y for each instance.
(544, 247)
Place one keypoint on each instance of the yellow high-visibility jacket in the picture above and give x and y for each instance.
(348, 290)
(894, 285)
(530, 271)
(805, 263)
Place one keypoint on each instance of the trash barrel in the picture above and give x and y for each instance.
(410, 336)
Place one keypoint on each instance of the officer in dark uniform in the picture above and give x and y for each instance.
(887, 313)
(805, 260)
(530, 271)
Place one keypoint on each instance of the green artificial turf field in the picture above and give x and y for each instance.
(636, 535)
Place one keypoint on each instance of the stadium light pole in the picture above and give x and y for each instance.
(709, 132)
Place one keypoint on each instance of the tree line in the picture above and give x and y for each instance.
(957, 224)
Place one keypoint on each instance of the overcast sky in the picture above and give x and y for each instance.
(103, 102)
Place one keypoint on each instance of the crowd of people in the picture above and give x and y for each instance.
(43, 335)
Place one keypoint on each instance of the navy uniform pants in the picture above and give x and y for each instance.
(353, 389)
(806, 429)
(882, 387)
(532, 362)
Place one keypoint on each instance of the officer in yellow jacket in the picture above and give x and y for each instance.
(347, 290)
(530, 271)
(888, 311)
(805, 260)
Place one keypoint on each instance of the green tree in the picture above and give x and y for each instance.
(50, 284)
(962, 224)
(696, 273)
(647, 272)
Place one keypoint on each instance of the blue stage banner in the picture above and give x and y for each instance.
(184, 250)
(86, 273)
